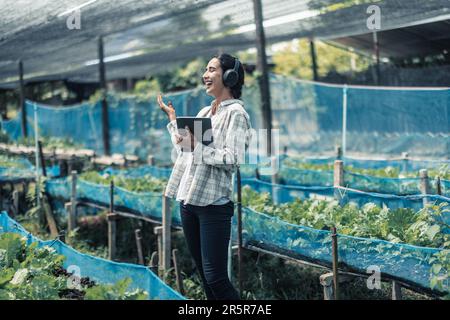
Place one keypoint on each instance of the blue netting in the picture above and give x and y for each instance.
(409, 263)
(14, 173)
(97, 269)
(143, 203)
(308, 115)
(397, 186)
(408, 165)
(285, 193)
(271, 233)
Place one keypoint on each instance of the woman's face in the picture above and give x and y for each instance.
(212, 78)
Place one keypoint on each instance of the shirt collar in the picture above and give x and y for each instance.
(227, 102)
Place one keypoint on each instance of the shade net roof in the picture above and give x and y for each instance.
(144, 36)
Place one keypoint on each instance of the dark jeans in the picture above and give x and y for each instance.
(207, 232)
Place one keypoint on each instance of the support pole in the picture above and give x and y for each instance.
(338, 151)
(262, 67)
(438, 186)
(344, 120)
(274, 178)
(36, 139)
(41, 158)
(140, 253)
(376, 49)
(424, 184)
(154, 262)
(314, 60)
(405, 160)
(239, 226)
(166, 235)
(112, 226)
(22, 100)
(112, 233)
(150, 160)
(335, 263)
(338, 179)
(396, 291)
(105, 117)
(158, 232)
(15, 210)
(178, 275)
(73, 203)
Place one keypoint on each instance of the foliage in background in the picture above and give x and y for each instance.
(50, 142)
(295, 60)
(386, 172)
(145, 183)
(421, 228)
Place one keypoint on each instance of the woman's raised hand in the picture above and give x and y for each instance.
(168, 109)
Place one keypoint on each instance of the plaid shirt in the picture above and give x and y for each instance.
(211, 172)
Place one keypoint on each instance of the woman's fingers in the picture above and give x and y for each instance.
(161, 103)
(178, 138)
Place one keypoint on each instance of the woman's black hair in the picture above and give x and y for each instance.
(227, 62)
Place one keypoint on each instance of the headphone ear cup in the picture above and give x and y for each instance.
(230, 78)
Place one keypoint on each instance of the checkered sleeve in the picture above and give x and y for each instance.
(172, 128)
(233, 152)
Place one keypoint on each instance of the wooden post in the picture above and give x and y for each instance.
(396, 291)
(112, 233)
(438, 186)
(338, 179)
(376, 48)
(15, 196)
(73, 203)
(158, 231)
(111, 196)
(105, 117)
(338, 173)
(70, 163)
(274, 178)
(262, 67)
(178, 275)
(49, 217)
(239, 226)
(62, 168)
(326, 280)
(166, 234)
(53, 157)
(335, 263)
(405, 159)
(138, 236)
(313, 60)
(154, 262)
(424, 184)
(41, 158)
(338, 150)
(23, 109)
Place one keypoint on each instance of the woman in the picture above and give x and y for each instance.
(201, 179)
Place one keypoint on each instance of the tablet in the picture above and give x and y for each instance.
(200, 126)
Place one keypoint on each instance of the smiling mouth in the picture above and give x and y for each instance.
(208, 84)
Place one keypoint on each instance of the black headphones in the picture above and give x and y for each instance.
(231, 76)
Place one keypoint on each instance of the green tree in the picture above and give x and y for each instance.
(295, 60)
